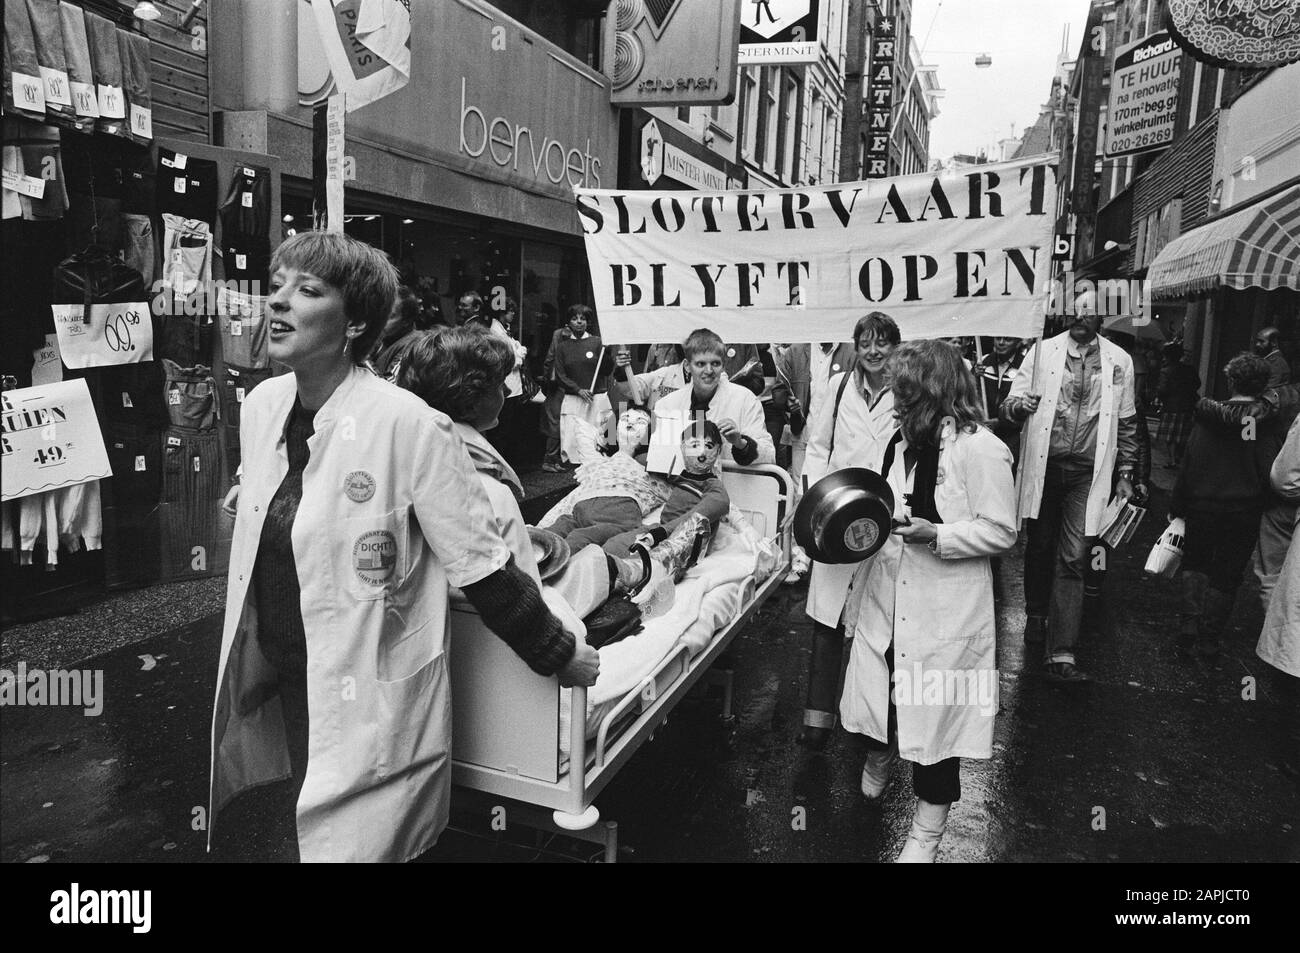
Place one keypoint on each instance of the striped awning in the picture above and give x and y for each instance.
(1257, 247)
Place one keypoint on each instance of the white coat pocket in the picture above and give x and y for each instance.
(416, 712)
(372, 553)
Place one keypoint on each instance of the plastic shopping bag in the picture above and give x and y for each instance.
(1167, 553)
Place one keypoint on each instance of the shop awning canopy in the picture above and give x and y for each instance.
(1257, 247)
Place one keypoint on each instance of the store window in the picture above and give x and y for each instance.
(749, 107)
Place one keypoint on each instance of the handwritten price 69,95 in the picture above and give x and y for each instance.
(117, 332)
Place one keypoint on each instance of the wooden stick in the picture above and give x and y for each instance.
(600, 356)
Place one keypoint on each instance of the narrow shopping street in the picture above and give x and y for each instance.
(1159, 759)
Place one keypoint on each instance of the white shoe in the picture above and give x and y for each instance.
(793, 577)
(927, 828)
(876, 771)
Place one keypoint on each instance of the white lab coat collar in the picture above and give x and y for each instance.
(487, 460)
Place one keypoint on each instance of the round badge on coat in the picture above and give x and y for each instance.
(590, 355)
(374, 557)
(835, 368)
(731, 352)
(939, 477)
(359, 486)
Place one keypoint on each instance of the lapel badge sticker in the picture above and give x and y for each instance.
(359, 486)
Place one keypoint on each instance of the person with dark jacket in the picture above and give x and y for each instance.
(1220, 493)
(1179, 387)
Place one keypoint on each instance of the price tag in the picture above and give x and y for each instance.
(196, 464)
(246, 200)
(178, 186)
(174, 397)
(83, 98)
(27, 185)
(239, 395)
(236, 327)
(141, 121)
(126, 400)
(57, 88)
(140, 465)
(173, 441)
(251, 173)
(29, 92)
(180, 161)
(241, 262)
(47, 367)
(112, 103)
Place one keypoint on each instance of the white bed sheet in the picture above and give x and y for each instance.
(708, 598)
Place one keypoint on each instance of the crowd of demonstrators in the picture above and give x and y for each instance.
(955, 477)
(322, 553)
(1178, 392)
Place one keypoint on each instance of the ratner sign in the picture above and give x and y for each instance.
(946, 254)
(1143, 96)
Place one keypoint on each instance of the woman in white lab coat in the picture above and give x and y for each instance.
(921, 610)
(359, 508)
(851, 428)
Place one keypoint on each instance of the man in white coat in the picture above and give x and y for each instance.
(1076, 392)
(735, 410)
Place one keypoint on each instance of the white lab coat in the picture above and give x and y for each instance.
(392, 513)
(1279, 640)
(937, 607)
(1044, 367)
(861, 435)
(673, 412)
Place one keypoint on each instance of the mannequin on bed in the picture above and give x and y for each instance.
(615, 494)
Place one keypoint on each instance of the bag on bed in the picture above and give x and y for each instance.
(612, 622)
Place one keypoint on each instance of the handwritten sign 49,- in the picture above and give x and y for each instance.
(115, 334)
(51, 439)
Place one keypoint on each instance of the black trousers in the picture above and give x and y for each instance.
(938, 783)
(1220, 545)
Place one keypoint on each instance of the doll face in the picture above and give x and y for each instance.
(633, 430)
(700, 454)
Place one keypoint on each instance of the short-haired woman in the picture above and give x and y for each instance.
(852, 425)
(921, 610)
(358, 509)
(1220, 494)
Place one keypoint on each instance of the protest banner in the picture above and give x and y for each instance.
(942, 253)
(51, 439)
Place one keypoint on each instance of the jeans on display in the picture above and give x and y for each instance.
(48, 31)
(242, 323)
(106, 61)
(191, 396)
(237, 383)
(131, 552)
(938, 783)
(137, 245)
(134, 51)
(192, 486)
(20, 57)
(186, 186)
(76, 51)
(185, 339)
(1056, 558)
(186, 255)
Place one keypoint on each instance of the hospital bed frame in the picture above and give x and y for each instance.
(506, 719)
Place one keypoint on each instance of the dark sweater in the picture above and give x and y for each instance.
(1226, 469)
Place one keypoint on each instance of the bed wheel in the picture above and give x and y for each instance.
(577, 822)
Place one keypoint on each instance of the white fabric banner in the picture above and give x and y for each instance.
(944, 254)
(367, 44)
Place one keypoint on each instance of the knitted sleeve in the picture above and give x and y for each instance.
(511, 606)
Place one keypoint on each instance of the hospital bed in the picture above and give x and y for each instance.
(539, 754)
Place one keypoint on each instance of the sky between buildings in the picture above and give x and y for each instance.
(1023, 37)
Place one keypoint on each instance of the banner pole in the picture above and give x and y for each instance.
(600, 356)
